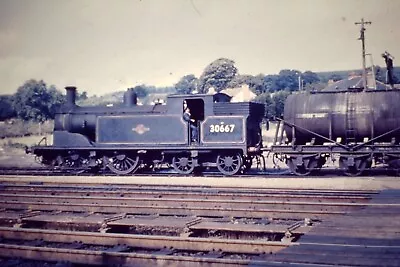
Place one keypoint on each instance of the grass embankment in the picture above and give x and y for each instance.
(18, 134)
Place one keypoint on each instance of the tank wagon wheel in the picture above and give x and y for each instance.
(321, 162)
(183, 164)
(304, 166)
(229, 164)
(121, 164)
(298, 170)
(355, 169)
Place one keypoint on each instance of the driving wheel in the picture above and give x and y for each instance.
(121, 164)
(229, 164)
(183, 164)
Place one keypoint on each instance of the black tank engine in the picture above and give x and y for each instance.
(130, 137)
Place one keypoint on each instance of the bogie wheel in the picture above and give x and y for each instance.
(299, 170)
(304, 166)
(320, 162)
(122, 164)
(229, 164)
(183, 164)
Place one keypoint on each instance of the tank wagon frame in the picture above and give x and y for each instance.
(358, 127)
(131, 137)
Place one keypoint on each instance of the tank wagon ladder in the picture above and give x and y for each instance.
(350, 119)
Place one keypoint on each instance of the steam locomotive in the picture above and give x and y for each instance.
(131, 137)
(359, 127)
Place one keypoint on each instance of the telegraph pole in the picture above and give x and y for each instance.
(362, 38)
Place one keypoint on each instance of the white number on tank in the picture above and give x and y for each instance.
(222, 128)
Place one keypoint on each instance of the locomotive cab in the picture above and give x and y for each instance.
(196, 108)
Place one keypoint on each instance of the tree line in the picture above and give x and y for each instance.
(33, 101)
(37, 101)
(272, 90)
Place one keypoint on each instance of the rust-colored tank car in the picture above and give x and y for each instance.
(351, 116)
(356, 126)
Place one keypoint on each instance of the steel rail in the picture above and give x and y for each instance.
(56, 185)
(147, 241)
(106, 258)
(179, 202)
(184, 194)
(168, 210)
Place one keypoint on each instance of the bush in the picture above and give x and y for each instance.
(19, 128)
(17, 145)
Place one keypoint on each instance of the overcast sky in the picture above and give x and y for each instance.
(104, 46)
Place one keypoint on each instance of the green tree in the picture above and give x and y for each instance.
(239, 80)
(187, 84)
(255, 83)
(141, 90)
(335, 77)
(6, 109)
(309, 77)
(270, 83)
(266, 99)
(396, 75)
(56, 100)
(82, 96)
(34, 101)
(217, 74)
(288, 80)
(279, 99)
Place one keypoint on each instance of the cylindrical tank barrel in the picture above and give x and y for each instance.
(351, 116)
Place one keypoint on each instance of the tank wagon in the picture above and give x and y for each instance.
(131, 137)
(358, 126)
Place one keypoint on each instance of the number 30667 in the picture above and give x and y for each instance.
(221, 128)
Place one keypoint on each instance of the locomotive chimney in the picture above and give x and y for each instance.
(130, 98)
(71, 95)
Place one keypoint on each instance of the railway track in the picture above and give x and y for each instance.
(44, 171)
(133, 249)
(282, 172)
(162, 225)
(182, 201)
